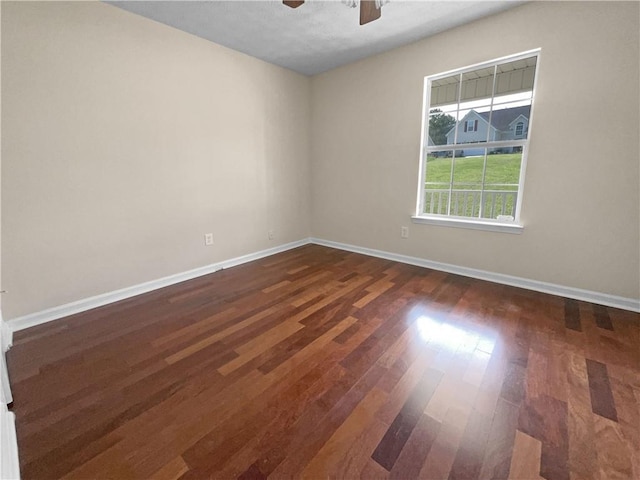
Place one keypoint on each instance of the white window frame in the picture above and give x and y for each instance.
(521, 125)
(476, 223)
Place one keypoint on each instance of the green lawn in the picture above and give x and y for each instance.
(502, 168)
(467, 181)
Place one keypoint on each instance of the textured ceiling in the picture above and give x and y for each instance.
(319, 35)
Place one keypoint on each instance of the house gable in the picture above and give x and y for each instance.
(466, 135)
(513, 127)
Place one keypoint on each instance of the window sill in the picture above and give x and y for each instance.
(471, 224)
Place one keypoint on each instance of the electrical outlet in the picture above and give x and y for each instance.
(271, 234)
(404, 232)
(208, 239)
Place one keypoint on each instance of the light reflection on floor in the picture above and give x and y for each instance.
(451, 337)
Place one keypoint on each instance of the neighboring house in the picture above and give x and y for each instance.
(506, 124)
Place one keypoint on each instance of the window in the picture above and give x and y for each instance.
(472, 167)
(471, 126)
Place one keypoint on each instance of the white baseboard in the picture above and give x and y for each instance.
(61, 311)
(538, 286)
(44, 316)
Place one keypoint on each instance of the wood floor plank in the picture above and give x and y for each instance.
(525, 462)
(614, 457)
(306, 449)
(172, 470)
(402, 388)
(469, 456)
(442, 454)
(477, 367)
(546, 419)
(602, 317)
(557, 366)
(375, 291)
(629, 420)
(195, 328)
(602, 402)
(572, 315)
(196, 347)
(321, 363)
(389, 448)
(497, 459)
(357, 456)
(582, 453)
(260, 344)
(344, 436)
(416, 449)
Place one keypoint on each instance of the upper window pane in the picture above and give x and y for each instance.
(477, 86)
(444, 92)
(506, 118)
(441, 127)
(488, 104)
(515, 77)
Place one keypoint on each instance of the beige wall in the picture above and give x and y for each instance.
(124, 141)
(581, 207)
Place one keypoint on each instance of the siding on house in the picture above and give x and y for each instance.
(479, 135)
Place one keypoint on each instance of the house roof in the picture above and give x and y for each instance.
(502, 118)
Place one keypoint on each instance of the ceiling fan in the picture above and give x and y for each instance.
(370, 10)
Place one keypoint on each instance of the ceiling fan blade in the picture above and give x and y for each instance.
(368, 11)
(293, 3)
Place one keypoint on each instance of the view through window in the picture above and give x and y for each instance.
(475, 140)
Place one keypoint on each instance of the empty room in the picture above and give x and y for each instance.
(320, 239)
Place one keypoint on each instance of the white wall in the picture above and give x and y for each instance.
(125, 141)
(581, 206)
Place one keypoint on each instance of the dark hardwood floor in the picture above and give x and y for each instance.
(319, 363)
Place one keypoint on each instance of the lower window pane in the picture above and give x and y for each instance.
(437, 182)
(475, 186)
(502, 177)
(467, 184)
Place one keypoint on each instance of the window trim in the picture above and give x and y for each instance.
(468, 222)
(473, 222)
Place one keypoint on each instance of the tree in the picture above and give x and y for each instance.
(439, 124)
